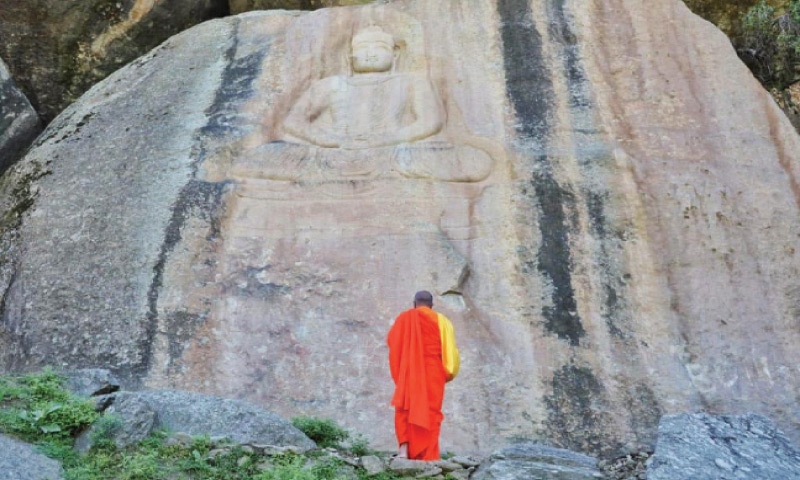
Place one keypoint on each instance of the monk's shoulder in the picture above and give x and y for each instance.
(442, 318)
(403, 317)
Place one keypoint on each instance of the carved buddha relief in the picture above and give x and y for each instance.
(373, 107)
(397, 115)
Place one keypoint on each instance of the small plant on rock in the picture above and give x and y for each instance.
(359, 446)
(325, 432)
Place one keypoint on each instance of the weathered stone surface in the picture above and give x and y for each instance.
(600, 195)
(196, 414)
(57, 49)
(130, 419)
(19, 123)
(20, 461)
(416, 468)
(241, 6)
(448, 466)
(537, 462)
(705, 447)
(372, 465)
(465, 461)
(460, 475)
(89, 382)
(146, 166)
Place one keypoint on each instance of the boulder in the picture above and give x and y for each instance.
(21, 461)
(19, 123)
(537, 462)
(707, 447)
(128, 420)
(372, 464)
(89, 382)
(57, 49)
(139, 413)
(416, 468)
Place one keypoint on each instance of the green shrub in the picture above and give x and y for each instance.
(325, 432)
(769, 43)
(292, 470)
(103, 430)
(39, 409)
(359, 446)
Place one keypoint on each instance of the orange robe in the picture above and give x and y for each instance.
(415, 359)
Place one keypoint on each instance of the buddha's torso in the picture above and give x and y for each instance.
(370, 104)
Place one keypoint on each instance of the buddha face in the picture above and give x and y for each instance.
(373, 51)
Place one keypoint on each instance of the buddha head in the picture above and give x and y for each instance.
(373, 50)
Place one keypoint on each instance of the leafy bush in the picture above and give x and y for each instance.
(325, 432)
(37, 408)
(769, 43)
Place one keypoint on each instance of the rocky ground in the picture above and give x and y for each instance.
(629, 467)
(214, 434)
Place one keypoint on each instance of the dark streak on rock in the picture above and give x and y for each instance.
(201, 199)
(595, 204)
(582, 107)
(561, 33)
(576, 414)
(529, 86)
(196, 199)
(530, 90)
(645, 413)
(554, 259)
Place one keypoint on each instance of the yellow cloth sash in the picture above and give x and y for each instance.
(450, 357)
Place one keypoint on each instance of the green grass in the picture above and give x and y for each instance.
(39, 410)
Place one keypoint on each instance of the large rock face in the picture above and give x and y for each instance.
(57, 49)
(601, 197)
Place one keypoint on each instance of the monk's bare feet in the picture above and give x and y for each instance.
(403, 452)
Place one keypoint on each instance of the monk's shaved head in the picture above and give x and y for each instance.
(423, 297)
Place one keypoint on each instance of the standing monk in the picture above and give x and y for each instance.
(422, 356)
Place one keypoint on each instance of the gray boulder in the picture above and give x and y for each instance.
(19, 123)
(20, 461)
(89, 382)
(139, 413)
(129, 420)
(706, 447)
(58, 49)
(530, 461)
